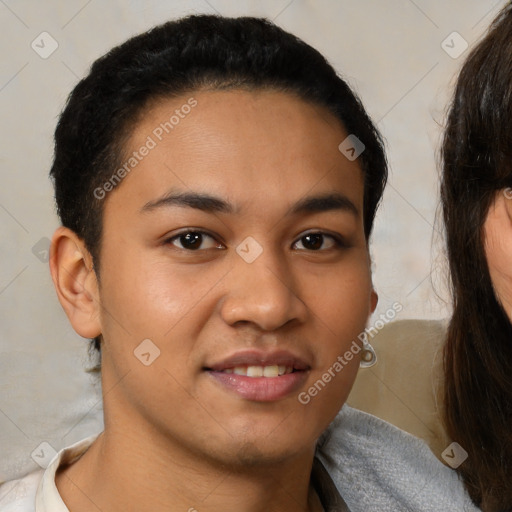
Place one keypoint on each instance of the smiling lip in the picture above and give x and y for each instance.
(231, 374)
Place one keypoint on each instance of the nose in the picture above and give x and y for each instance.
(262, 293)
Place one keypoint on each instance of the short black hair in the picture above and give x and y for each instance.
(178, 57)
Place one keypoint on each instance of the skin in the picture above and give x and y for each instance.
(498, 247)
(174, 438)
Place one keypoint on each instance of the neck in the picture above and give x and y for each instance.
(126, 469)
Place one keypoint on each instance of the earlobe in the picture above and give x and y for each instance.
(374, 299)
(75, 282)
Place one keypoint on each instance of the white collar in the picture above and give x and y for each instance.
(48, 498)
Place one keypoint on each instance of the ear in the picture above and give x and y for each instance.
(75, 281)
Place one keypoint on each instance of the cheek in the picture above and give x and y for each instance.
(341, 300)
(498, 252)
(341, 306)
(147, 296)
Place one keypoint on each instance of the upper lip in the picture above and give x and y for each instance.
(260, 358)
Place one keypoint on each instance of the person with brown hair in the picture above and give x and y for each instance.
(477, 212)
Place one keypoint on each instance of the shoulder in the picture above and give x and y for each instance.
(20, 495)
(377, 466)
(38, 489)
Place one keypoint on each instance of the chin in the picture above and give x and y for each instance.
(254, 455)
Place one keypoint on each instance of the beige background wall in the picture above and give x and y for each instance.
(390, 51)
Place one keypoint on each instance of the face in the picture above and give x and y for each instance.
(236, 247)
(498, 247)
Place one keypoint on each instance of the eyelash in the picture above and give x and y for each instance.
(190, 231)
(339, 242)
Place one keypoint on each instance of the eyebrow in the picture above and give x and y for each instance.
(199, 201)
(325, 203)
(211, 204)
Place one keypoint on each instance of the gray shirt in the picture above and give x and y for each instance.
(378, 467)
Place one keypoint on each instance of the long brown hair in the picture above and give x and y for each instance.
(477, 164)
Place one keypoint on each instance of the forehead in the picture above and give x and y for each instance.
(243, 145)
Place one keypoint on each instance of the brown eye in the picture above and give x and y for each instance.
(194, 241)
(191, 240)
(313, 242)
(316, 242)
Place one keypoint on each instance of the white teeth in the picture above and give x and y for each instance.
(270, 371)
(255, 371)
(260, 371)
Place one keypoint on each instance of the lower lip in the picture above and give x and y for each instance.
(261, 389)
